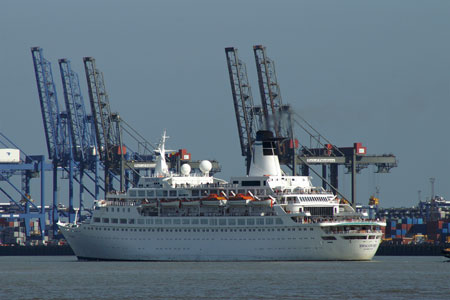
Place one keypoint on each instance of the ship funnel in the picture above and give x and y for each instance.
(265, 159)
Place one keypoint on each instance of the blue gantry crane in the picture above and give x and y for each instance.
(84, 147)
(58, 142)
(69, 137)
(28, 167)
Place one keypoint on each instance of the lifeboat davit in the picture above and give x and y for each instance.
(240, 200)
(214, 200)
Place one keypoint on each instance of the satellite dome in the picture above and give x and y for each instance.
(205, 166)
(185, 169)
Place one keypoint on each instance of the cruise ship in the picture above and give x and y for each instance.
(193, 216)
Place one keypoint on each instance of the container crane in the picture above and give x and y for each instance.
(280, 118)
(58, 143)
(107, 126)
(277, 117)
(84, 149)
(243, 103)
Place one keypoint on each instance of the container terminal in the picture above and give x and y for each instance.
(99, 152)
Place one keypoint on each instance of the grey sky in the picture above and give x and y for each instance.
(376, 72)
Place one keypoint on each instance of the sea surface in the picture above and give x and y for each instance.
(64, 277)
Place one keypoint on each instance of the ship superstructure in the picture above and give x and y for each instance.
(266, 215)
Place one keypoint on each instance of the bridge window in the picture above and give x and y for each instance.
(251, 183)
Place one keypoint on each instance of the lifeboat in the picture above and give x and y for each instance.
(149, 203)
(213, 200)
(240, 200)
(190, 203)
(170, 203)
(262, 202)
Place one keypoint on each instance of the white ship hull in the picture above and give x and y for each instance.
(216, 244)
(263, 216)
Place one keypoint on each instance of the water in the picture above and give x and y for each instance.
(63, 277)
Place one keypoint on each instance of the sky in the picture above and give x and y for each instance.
(375, 72)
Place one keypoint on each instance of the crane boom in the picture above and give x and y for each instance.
(269, 90)
(107, 125)
(243, 102)
(51, 116)
(83, 142)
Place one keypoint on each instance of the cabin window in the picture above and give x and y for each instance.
(195, 193)
(115, 221)
(132, 193)
(260, 221)
(159, 193)
(185, 221)
(140, 221)
(194, 221)
(150, 193)
(213, 192)
(167, 221)
(96, 220)
(149, 221)
(250, 221)
(278, 221)
(355, 237)
(231, 221)
(222, 222)
(158, 221)
(241, 191)
(141, 193)
(251, 183)
(204, 221)
(268, 148)
(269, 221)
(235, 182)
(241, 221)
(123, 221)
(172, 193)
(213, 222)
(176, 221)
(106, 209)
(130, 221)
(204, 192)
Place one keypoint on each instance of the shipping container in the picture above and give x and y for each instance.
(8, 156)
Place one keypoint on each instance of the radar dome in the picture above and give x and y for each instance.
(205, 166)
(185, 169)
